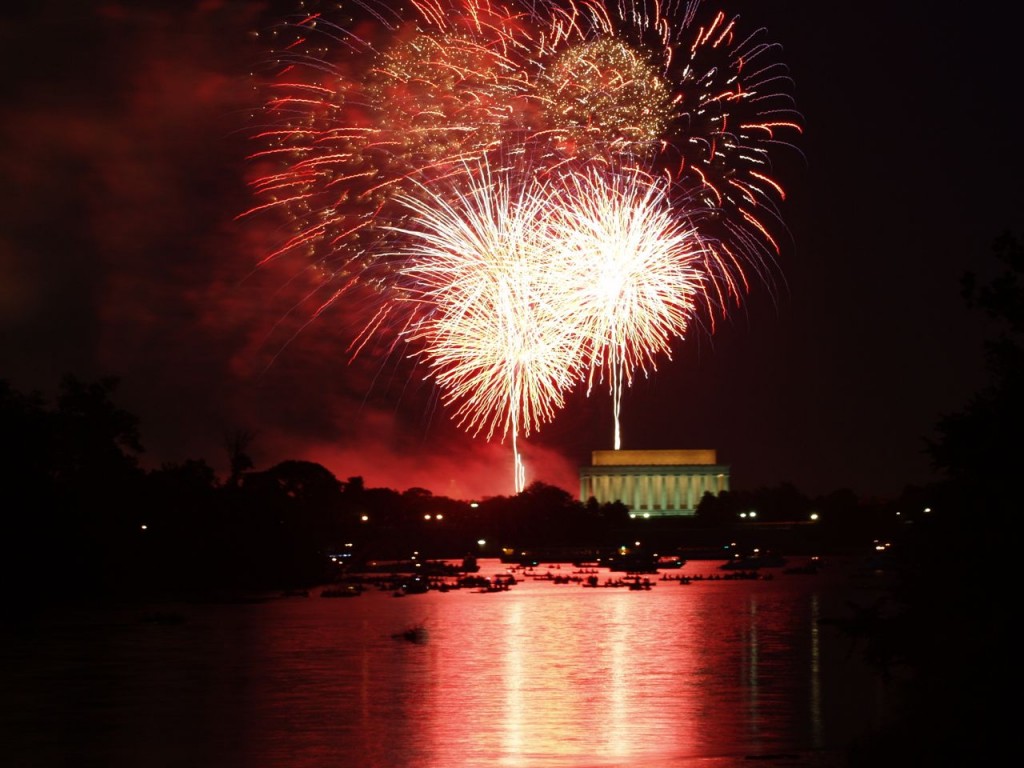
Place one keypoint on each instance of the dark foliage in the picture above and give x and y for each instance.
(83, 521)
(945, 633)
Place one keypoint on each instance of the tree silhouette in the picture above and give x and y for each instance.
(954, 635)
(972, 448)
(77, 483)
(237, 443)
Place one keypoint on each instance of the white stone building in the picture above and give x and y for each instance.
(654, 483)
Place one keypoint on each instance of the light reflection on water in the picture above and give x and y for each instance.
(542, 675)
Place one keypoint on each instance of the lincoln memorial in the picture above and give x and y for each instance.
(654, 483)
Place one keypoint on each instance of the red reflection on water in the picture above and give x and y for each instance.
(558, 675)
(543, 675)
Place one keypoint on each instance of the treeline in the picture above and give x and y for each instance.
(84, 520)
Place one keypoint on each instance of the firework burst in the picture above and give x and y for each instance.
(604, 99)
(361, 110)
(632, 142)
(695, 99)
(496, 332)
(632, 274)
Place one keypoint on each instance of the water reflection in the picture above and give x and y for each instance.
(814, 661)
(542, 675)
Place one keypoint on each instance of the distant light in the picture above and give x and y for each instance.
(144, 526)
(426, 517)
(646, 515)
(636, 543)
(743, 514)
(632, 515)
(438, 517)
(814, 515)
(927, 510)
(481, 542)
(473, 504)
(753, 513)
(364, 518)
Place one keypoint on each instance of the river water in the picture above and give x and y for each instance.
(716, 672)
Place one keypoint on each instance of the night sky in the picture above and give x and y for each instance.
(122, 157)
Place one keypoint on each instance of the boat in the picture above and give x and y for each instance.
(417, 585)
(753, 561)
(417, 634)
(633, 563)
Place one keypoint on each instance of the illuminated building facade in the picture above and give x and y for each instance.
(654, 483)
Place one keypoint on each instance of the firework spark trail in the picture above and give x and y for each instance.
(681, 93)
(494, 334)
(359, 114)
(528, 291)
(647, 127)
(365, 109)
(632, 273)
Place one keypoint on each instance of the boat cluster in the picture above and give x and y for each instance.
(421, 578)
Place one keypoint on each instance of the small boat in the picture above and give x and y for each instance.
(637, 587)
(754, 561)
(417, 634)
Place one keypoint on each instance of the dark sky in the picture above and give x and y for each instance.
(124, 133)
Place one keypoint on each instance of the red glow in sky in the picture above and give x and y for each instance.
(123, 148)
